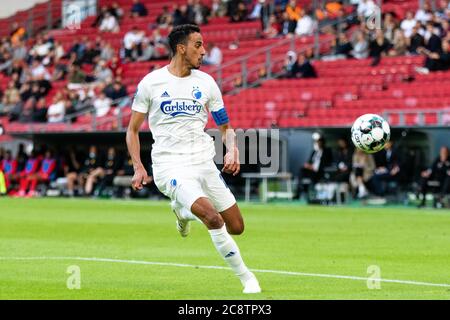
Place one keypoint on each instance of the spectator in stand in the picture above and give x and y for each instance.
(138, 9)
(117, 92)
(342, 46)
(9, 168)
(240, 14)
(31, 167)
(148, 51)
(6, 63)
(26, 113)
(289, 62)
(181, 15)
(424, 14)
(116, 11)
(91, 52)
(115, 66)
(305, 24)
(133, 43)
(408, 24)
(366, 9)
(387, 170)
(200, 12)
(436, 61)
(415, 41)
(164, 19)
(360, 46)
(18, 34)
(378, 47)
(213, 55)
(102, 105)
(440, 172)
(109, 23)
(46, 173)
(10, 99)
(302, 68)
(400, 45)
(105, 175)
(433, 41)
(217, 9)
(100, 17)
(389, 27)
(75, 74)
(72, 165)
(57, 110)
(102, 72)
(40, 111)
(273, 28)
(293, 11)
(107, 52)
(19, 51)
(363, 166)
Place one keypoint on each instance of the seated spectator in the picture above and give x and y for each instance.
(366, 9)
(116, 11)
(164, 19)
(389, 26)
(433, 41)
(273, 28)
(213, 55)
(26, 113)
(117, 92)
(57, 110)
(100, 16)
(305, 24)
(289, 62)
(302, 68)
(200, 12)
(115, 66)
(387, 170)
(46, 173)
(138, 9)
(399, 44)
(436, 61)
(415, 41)
(342, 46)
(424, 14)
(109, 23)
(102, 105)
(101, 72)
(293, 13)
(11, 98)
(313, 170)
(361, 46)
(75, 74)
(378, 47)
(440, 172)
(40, 111)
(240, 14)
(148, 51)
(132, 43)
(408, 24)
(363, 166)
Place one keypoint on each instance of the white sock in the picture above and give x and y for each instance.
(188, 215)
(229, 250)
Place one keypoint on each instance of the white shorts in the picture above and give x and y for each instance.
(186, 184)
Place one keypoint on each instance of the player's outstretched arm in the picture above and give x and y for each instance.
(231, 162)
(140, 177)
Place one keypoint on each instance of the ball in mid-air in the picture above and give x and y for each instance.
(370, 132)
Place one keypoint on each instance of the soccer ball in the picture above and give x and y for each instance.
(370, 132)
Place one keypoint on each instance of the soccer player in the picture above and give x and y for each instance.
(178, 98)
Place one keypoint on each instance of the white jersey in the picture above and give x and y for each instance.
(178, 113)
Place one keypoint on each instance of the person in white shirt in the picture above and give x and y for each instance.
(57, 109)
(102, 105)
(109, 23)
(408, 24)
(305, 25)
(424, 14)
(132, 42)
(213, 55)
(177, 99)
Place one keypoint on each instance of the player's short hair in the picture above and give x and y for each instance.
(180, 34)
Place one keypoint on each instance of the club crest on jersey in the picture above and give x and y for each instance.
(196, 93)
(180, 107)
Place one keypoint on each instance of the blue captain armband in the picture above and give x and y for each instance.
(220, 117)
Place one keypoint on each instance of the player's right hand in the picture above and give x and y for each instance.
(140, 178)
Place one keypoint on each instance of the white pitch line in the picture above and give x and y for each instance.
(184, 265)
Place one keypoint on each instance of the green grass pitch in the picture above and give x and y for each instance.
(141, 256)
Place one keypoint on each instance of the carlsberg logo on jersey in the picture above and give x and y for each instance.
(177, 107)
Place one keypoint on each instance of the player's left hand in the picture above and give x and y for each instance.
(231, 162)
